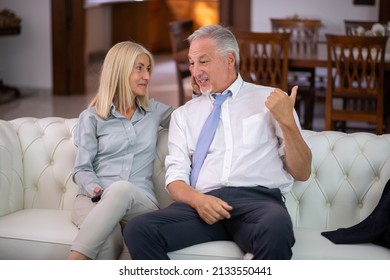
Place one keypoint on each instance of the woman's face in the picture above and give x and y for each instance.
(140, 75)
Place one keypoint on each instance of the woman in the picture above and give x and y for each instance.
(116, 139)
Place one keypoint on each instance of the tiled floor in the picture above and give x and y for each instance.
(163, 87)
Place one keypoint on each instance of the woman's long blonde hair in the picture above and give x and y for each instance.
(114, 87)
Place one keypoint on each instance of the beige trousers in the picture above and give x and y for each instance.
(100, 224)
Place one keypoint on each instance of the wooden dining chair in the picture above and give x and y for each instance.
(355, 81)
(179, 32)
(264, 58)
(303, 41)
(351, 25)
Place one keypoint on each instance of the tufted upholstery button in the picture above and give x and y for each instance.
(360, 205)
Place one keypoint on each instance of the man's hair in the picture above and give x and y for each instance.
(224, 38)
(114, 87)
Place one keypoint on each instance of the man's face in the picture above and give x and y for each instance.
(209, 69)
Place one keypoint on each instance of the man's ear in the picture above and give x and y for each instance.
(231, 58)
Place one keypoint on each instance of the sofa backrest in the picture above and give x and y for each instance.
(349, 172)
(48, 155)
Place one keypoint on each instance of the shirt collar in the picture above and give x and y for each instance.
(143, 110)
(235, 86)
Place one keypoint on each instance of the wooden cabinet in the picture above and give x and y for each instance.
(203, 12)
(144, 22)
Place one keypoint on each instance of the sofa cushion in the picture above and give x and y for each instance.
(216, 250)
(311, 245)
(36, 234)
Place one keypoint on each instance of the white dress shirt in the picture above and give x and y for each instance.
(246, 150)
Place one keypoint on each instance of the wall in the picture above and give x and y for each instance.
(331, 12)
(98, 19)
(25, 60)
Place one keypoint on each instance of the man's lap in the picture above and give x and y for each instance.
(180, 223)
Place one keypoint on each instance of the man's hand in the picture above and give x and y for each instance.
(281, 105)
(212, 209)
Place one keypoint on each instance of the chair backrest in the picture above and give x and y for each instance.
(352, 25)
(356, 79)
(264, 57)
(179, 32)
(304, 32)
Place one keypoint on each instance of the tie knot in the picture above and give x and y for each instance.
(220, 98)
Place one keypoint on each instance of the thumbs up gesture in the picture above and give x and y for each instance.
(281, 105)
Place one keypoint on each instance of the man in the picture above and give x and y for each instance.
(256, 153)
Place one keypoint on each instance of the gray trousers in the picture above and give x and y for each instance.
(100, 224)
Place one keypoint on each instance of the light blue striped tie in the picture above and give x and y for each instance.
(206, 136)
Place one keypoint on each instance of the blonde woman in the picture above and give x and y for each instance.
(116, 139)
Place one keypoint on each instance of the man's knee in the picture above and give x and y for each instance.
(137, 229)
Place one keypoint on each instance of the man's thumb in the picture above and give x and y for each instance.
(293, 94)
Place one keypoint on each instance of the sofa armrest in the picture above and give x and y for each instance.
(11, 170)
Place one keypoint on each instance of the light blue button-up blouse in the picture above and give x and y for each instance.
(117, 148)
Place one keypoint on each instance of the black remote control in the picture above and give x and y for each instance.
(97, 197)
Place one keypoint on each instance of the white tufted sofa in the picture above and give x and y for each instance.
(349, 172)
